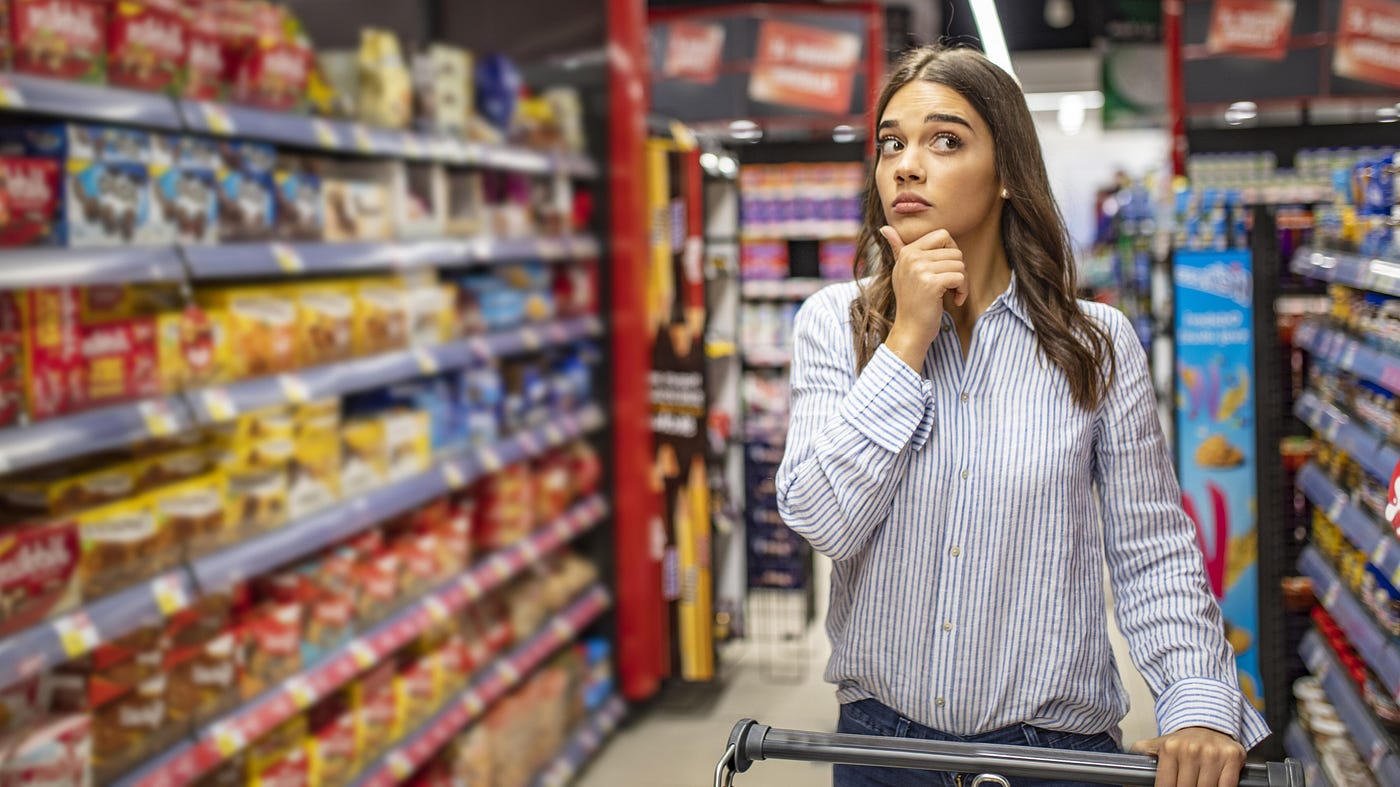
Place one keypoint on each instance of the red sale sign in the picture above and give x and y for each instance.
(804, 67)
(693, 52)
(1251, 28)
(1392, 500)
(1368, 42)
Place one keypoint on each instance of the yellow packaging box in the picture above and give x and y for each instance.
(189, 347)
(315, 472)
(257, 501)
(260, 328)
(407, 442)
(258, 440)
(65, 489)
(381, 316)
(193, 514)
(364, 460)
(122, 543)
(325, 322)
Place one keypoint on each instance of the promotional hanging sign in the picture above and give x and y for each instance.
(804, 67)
(1368, 42)
(693, 52)
(1251, 28)
(1215, 427)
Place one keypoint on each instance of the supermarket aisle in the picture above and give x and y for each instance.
(667, 748)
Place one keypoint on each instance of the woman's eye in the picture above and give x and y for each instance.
(889, 146)
(946, 142)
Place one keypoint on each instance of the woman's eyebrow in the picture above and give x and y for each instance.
(934, 117)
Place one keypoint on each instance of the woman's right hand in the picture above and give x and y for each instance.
(924, 272)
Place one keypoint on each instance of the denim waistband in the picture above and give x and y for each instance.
(887, 718)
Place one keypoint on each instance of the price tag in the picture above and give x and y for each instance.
(427, 362)
(551, 249)
(217, 118)
(363, 654)
(412, 147)
(301, 692)
(1334, 425)
(490, 460)
(501, 567)
(471, 587)
(1329, 599)
(1381, 552)
(1334, 511)
(325, 134)
(1378, 752)
(363, 141)
(294, 388)
(437, 610)
(481, 248)
(400, 765)
(288, 258)
(11, 97)
(76, 634)
(530, 550)
(473, 704)
(159, 417)
(1349, 355)
(228, 739)
(510, 673)
(561, 630)
(452, 474)
(219, 405)
(170, 594)
(531, 338)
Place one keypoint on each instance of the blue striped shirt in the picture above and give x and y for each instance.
(962, 512)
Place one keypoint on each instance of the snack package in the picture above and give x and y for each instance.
(205, 681)
(420, 200)
(52, 752)
(146, 46)
(247, 192)
(122, 543)
(334, 740)
(300, 206)
(444, 88)
(377, 701)
(260, 328)
(314, 480)
(66, 39)
(378, 581)
(466, 204)
(130, 728)
(205, 65)
(12, 366)
(381, 316)
(356, 210)
(364, 455)
(331, 596)
(39, 570)
(281, 759)
(417, 687)
(187, 192)
(408, 442)
(326, 322)
(31, 197)
(385, 85)
(65, 489)
(258, 502)
(271, 634)
(505, 512)
(189, 349)
(194, 514)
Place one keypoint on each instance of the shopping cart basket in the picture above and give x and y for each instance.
(751, 742)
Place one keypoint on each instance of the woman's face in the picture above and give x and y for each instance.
(935, 165)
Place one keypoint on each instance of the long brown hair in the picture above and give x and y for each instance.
(1032, 230)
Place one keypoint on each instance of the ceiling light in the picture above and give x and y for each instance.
(1240, 111)
(728, 167)
(1059, 14)
(709, 161)
(1387, 115)
(1071, 113)
(1050, 102)
(742, 125)
(843, 133)
(984, 13)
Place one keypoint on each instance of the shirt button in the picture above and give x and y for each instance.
(947, 626)
(942, 702)
(965, 474)
(964, 397)
(955, 551)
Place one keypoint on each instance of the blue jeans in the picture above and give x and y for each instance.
(868, 717)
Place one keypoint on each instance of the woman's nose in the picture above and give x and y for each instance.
(908, 168)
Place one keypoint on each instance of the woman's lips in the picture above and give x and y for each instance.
(911, 207)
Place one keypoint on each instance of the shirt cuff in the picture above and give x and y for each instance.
(1202, 702)
(890, 403)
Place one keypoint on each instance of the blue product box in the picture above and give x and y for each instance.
(300, 213)
(247, 208)
(186, 205)
(247, 156)
(79, 141)
(106, 203)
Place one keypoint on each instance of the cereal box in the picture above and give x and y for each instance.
(122, 543)
(146, 46)
(39, 566)
(32, 208)
(260, 329)
(60, 38)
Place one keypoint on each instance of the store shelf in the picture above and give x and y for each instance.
(1354, 270)
(22, 93)
(26, 268)
(582, 745)
(783, 289)
(55, 439)
(416, 749)
(1376, 456)
(251, 558)
(767, 356)
(1370, 736)
(1361, 529)
(1300, 747)
(48, 644)
(361, 374)
(1349, 354)
(224, 738)
(1374, 645)
(247, 260)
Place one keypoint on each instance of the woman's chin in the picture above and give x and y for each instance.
(913, 226)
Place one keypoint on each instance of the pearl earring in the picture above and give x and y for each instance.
(1005, 194)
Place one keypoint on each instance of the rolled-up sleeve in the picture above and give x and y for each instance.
(1165, 608)
(848, 434)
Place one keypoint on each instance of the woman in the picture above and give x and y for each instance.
(952, 416)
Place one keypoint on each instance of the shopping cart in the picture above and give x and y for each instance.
(751, 742)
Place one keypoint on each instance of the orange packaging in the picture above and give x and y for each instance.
(260, 329)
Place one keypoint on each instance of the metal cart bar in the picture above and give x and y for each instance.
(751, 742)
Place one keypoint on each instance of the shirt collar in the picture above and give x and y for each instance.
(1011, 301)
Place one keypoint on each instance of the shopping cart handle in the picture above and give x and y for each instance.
(750, 742)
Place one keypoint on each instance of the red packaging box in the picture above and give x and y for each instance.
(334, 743)
(38, 573)
(56, 752)
(60, 38)
(273, 76)
(504, 511)
(31, 201)
(271, 636)
(379, 709)
(146, 45)
(378, 579)
(417, 685)
(121, 361)
(206, 66)
(11, 359)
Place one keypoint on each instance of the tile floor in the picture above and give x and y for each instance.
(675, 742)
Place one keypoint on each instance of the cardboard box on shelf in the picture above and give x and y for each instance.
(271, 634)
(32, 201)
(39, 570)
(378, 580)
(53, 752)
(444, 88)
(420, 200)
(364, 454)
(279, 762)
(314, 481)
(273, 75)
(122, 543)
(407, 442)
(189, 349)
(186, 204)
(300, 206)
(65, 489)
(334, 740)
(130, 728)
(204, 679)
(381, 316)
(146, 44)
(385, 94)
(356, 210)
(260, 328)
(194, 513)
(257, 502)
(205, 67)
(380, 719)
(466, 204)
(66, 39)
(326, 322)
